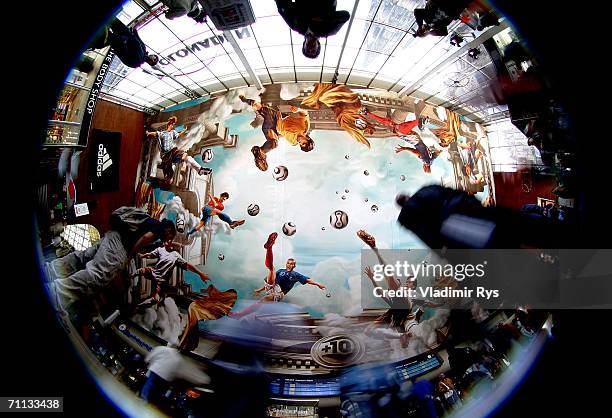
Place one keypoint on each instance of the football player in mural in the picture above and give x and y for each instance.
(413, 140)
(294, 128)
(215, 207)
(346, 106)
(400, 129)
(211, 304)
(470, 152)
(170, 154)
(450, 131)
(278, 282)
(416, 146)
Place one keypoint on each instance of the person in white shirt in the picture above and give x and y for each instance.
(168, 258)
(167, 364)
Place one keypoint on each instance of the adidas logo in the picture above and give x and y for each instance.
(104, 160)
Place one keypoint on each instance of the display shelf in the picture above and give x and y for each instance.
(66, 124)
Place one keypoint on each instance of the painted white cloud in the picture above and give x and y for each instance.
(221, 109)
(163, 320)
(292, 90)
(175, 206)
(307, 198)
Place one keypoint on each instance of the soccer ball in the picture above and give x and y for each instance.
(338, 219)
(221, 256)
(374, 208)
(180, 223)
(207, 155)
(402, 177)
(280, 173)
(253, 209)
(289, 229)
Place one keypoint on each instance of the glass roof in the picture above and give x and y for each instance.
(375, 49)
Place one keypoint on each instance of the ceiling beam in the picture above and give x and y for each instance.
(230, 37)
(348, 31)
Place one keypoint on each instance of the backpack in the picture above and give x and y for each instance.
(128, 219)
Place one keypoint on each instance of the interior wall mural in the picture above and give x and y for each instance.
(367, 147)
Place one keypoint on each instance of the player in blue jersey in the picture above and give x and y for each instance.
(278, 282)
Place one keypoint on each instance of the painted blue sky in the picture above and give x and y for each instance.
(313, 190)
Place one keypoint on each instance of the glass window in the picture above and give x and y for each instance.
(398, 14)
(271, 31)
(332, 55)
(157, 37)
(81, 236)
(127, 86)
(264, 8)
(129, 11)
(164, 86)
(278, 56)
(377, 45)
(148, 95)
(382, 39)
(254, 58)
(367, 9)
(369, 61)
(302, 61)
(184, 27)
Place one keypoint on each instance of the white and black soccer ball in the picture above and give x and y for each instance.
(289, 229)
(207, 155)
(280, 173)
(180, 223)
(253, 209)
(338, 219)
(221, 256)
(360, 124)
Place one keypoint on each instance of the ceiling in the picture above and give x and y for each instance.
(374, 49)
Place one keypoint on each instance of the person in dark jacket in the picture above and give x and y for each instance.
(126, 43)
(314, 20)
